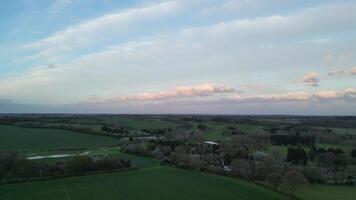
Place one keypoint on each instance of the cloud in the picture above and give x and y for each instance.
(310, 79)
(207, 89)
(275, 97)
(334, 57)
(203, 90)
(352, 71)
(254, 86)
(302, 96)
(215, 52)
(106, 28)
(76, 37)
(337, 72)
(187, 93)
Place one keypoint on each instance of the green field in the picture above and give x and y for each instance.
(130, 122)
(327, 192)
(17, 138)
(149, 183)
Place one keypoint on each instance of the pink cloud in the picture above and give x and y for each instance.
(275, 97)
(206, 89)
(353, 71)
(310, 79)
(325, 95)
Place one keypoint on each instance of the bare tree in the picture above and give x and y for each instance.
(292, 180)
(274, 179)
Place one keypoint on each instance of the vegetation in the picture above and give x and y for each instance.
(150, 183)
(14, 168)
(288, 155)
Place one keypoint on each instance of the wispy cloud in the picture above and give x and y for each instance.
(75, 37)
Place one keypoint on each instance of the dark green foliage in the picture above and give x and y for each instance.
(14, 168)
(293, 140)
(353, 153)
(297, 155)
(202, 126)
(311, 154)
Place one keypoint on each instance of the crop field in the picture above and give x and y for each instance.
(149, 183)
(17, 138)
(130, 122)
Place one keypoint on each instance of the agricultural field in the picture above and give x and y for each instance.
(133, 122)
(17, 138)
(150, 183)
(326, 192)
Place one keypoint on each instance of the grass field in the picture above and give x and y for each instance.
(151, 183)
(327, 192)
(17, 138)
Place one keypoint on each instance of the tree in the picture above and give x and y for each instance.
(79, 164)
(353, 153)
(243, 168)
(325, 159)
(311, 154)
(261, 170)
(195, 162)
(274, 179)
(342, 160)
(202, 126)
(292, 180)
(297, 155)
(313, 174)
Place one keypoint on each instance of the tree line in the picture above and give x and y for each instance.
(16, 168)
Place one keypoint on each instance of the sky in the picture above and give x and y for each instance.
(178, 56)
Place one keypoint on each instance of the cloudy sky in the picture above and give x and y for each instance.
(178, 56)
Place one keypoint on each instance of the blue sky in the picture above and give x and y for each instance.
(178, 56)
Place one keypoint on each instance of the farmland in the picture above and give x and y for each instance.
(17, 138)
(150, 183)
